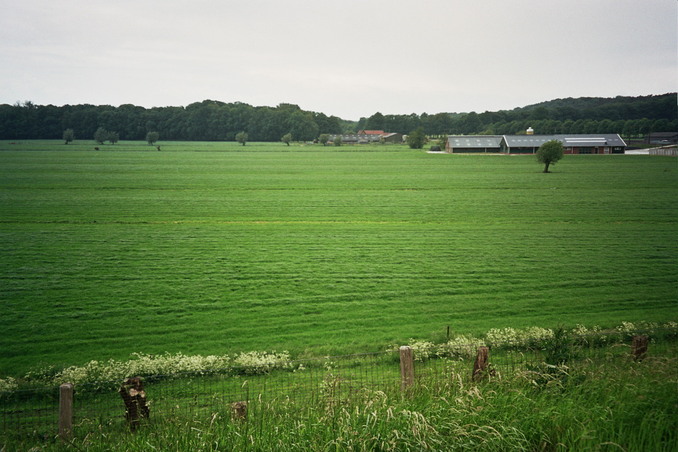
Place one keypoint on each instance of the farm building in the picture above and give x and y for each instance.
(528, 144)
(356, 139)
(380, 135)
(473, 143)
(392, 138)
(370, 136)
(574, 144)
(523, 144)
(593, 144)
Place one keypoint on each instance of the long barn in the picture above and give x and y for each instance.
(528, 144)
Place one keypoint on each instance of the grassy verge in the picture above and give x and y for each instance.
(601, 404)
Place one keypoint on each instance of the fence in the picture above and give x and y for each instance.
(665, 151)
(43, 413)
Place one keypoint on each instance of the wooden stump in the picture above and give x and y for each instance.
(239, 411)
(136, 406)
(480, 365)
(639, 347)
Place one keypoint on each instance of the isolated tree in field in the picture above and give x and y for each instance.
(324, 138)
(69, 136)
(549, 153)
(337, 140)
(416, 139)
(113, 137)
(241, 137)
(286, 138)
(152, 137)
(101, 135)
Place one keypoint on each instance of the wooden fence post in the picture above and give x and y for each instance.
(406, 367)
(66, 411)
(639, 347)
(480, 365)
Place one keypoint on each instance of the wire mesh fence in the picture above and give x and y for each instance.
(30, 413)
(303, 381)
(34, 413)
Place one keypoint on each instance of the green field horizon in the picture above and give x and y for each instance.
(216, 248)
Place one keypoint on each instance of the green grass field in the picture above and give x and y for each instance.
(217, 248)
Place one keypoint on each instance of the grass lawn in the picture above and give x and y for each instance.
(216, 248)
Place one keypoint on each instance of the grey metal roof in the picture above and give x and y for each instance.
(527, 141)
(474, 141)
(568, 140)
(608, 139)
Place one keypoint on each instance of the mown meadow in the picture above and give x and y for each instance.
(213, 248)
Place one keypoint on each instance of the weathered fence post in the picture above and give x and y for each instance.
(65, 411)
(134, 396)
(639, 347)
(406, 367)
(480, 365)
(239, 411)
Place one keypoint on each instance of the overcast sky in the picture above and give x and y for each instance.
(348, 58)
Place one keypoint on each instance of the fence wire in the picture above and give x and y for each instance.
(34, 413)
(30, 413)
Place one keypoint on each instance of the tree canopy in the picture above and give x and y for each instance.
(152, 137)
(241, 137)
(416, 139)
(68, 136)
(324, 138)
(101, 135)
(212, 120)
(549, 153)
(201, 121)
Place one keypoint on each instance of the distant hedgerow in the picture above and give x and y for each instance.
(98, 375)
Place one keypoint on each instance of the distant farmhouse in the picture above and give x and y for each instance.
(370, 136)
(528, 144)
(371, 133)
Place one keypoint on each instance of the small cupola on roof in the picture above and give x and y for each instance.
(529, 131)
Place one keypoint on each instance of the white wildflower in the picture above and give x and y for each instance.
(8, 384)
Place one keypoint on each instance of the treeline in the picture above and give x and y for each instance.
(628, 116)
(218, 121)
(201, 121)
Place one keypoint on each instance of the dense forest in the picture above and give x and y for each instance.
(201, 121)
(627, 116)
(215, 121)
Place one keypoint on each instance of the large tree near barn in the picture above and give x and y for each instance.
(549, 153)
(416, 139)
